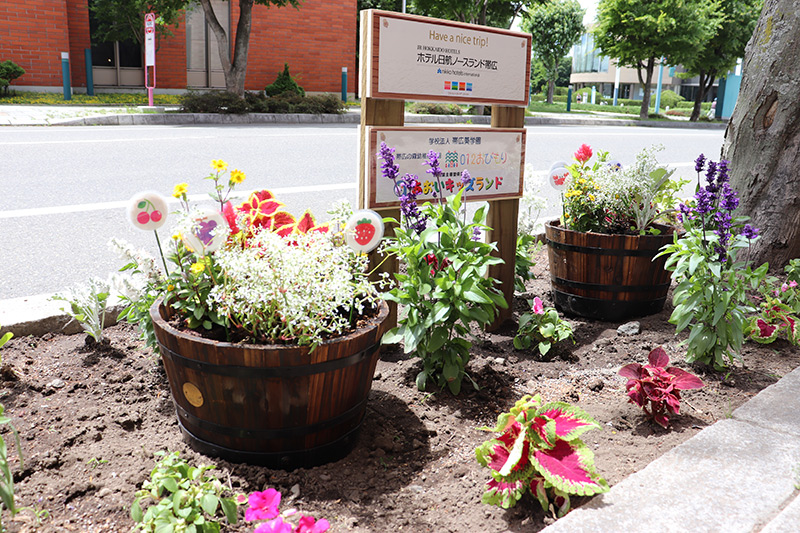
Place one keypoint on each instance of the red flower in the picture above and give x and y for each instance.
(583, 154)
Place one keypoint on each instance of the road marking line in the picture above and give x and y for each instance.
(82, 208)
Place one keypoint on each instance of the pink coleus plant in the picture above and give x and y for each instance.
(538, 450)
(658, 386)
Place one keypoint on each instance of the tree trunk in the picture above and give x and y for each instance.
(234, 70)
(551, 88)
(644, 112)
(706, 82)
(762, 141)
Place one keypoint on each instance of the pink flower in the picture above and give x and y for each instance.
(538, 307)
(275, 526)
(784, 287)
(263, 506)
(583, 154)
(307, 524)
(793, 284)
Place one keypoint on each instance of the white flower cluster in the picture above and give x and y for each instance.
(302, 287)
(133, 283)
(632, 189)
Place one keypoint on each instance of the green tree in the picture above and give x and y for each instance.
(640, 32)
(496, 13)
(555, 27)
(719, 54)
(539, 74)
(124, 19)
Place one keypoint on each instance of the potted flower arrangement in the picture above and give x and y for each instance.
(267, 324)
(601, 251)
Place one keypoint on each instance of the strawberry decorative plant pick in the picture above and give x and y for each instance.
(658, 385)
(364, 230)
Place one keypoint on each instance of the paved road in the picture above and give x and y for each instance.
(64, 188)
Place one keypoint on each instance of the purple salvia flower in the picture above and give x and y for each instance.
(699, 163)
(749, 231)
(722, 172)
(476, 234)
(408, 204)
(711, 172)
(729, 199)
(705, 202)
(433, 162)
(465, 178)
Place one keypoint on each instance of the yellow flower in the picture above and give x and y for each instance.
(197, 268)
(180, 189)
(237, 176)
(591, 197)
(219, 165)
(170, 287)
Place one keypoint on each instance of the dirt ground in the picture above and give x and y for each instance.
(90, 421)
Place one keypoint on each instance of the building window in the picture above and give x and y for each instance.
(586, 57)
(126, 54)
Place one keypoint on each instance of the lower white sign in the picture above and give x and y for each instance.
(494, 158)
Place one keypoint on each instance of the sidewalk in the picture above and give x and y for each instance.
(19, 115)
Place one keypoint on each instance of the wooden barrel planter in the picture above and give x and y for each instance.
(273, 405)
(607, 277)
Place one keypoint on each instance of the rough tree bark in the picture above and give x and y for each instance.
(706, 82)
(762, 141)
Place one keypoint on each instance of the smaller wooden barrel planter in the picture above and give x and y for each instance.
(273, 405)
(607, 277)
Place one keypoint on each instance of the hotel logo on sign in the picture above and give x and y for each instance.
(458, 86)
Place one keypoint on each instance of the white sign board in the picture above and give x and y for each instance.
(419, 58)
(150, 40)
(494, 158)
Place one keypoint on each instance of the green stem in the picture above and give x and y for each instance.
(161, 253)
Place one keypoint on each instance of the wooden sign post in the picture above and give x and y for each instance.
(418, 58)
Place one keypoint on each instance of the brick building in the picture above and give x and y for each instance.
(316, 41)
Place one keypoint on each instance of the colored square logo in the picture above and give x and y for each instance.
(469, 87)
(447, 86)
(463, 86)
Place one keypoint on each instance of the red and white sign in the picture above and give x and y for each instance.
(150, 40)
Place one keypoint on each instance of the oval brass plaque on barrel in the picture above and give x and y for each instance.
(193, 394)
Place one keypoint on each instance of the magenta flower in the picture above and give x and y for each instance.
(583, 154)
(784, 287)
(538, 307)
(307, 524)
(263, 506)
(275, 526)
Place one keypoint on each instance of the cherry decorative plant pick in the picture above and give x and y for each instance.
(658, 385)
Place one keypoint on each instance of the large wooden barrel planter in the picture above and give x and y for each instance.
(272, 405)
(607, 277)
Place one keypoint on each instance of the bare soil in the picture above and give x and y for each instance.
(90, 418)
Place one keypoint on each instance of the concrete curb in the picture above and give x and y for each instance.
(354, 117)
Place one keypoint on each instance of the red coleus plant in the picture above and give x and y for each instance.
(538, 451)
(658, 386)
(262, 210)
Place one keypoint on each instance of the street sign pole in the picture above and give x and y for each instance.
(150, 55)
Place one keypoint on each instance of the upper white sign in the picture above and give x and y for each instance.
(419, 58)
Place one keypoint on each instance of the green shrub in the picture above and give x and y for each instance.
(430, 108)
(670, 99)
(318, 104)
(9, 71)
(284, 83)
(213, 102)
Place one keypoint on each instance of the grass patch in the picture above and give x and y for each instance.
(115, 99)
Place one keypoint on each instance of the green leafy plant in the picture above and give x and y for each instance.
(538, 451)
(779, 308)
(445, 287)
(6, 475)
(712, 281)
(527, 247)
(184, 498)
(542, 326)
(9, 71)
(284, 83)
(87, 305)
